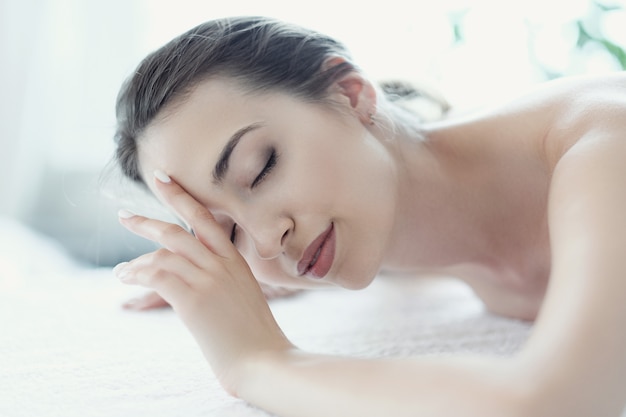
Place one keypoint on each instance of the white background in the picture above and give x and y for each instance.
(64, 60)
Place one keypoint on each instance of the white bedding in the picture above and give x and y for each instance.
(68, 349)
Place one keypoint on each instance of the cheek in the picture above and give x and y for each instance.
(312, 182)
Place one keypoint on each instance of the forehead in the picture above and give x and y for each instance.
(198, 125)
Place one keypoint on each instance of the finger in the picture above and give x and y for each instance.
(149, 301)
(163, 259)
(198, 217)
(171, 236)
(167, 284)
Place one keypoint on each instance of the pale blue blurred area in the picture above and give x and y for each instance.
(64, 60)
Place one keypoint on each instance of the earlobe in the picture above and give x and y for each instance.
(359, 92)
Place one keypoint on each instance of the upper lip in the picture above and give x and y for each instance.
(311, 250)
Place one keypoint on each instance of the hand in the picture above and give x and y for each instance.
(152, 300)
(148, 301)
(207, 282)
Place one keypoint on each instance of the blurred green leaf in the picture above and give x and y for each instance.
(607, 7)
(583, 35)
(615, 50)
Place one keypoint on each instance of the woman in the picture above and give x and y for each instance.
(290, 167)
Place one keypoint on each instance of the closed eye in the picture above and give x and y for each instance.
(233, 234)
(269, 165)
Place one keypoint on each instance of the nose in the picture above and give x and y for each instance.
(269, 234)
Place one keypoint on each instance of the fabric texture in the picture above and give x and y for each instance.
(68, 349)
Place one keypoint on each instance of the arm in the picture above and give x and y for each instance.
(575, 362)
(213, 291)
(577, 353)
(299, 384)
(572, 365)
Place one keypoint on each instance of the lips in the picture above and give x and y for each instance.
(319, 255)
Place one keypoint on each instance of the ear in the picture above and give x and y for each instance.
(355, 90)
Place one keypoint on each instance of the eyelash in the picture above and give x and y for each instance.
(233, 233)
(269, 165)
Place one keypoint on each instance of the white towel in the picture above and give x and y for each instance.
(67, 349)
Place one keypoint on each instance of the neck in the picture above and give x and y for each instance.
(442, 220)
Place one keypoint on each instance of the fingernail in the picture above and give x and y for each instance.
(125, 214)
(119, 267)
(119, 271)
(131, 304)
(162, 176)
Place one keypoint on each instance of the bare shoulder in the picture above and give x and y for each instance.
(582, 91)
(587, 234)
(581, 108)
(548, 120)
(557, 114)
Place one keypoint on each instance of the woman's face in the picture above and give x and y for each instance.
(306, 191)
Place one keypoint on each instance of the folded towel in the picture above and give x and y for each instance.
(68, 349)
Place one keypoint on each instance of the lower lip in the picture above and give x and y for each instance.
(326, 257)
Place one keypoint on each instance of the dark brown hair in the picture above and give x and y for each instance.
(262, 53)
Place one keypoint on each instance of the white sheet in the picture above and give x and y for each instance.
(67, 349)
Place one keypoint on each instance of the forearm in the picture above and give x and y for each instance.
(576, 350)
(297, 384)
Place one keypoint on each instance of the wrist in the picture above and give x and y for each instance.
(255, 369)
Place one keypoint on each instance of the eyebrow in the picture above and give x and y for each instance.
(221, 167)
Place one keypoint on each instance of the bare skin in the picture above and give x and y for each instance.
(524, 202)
(152, 300)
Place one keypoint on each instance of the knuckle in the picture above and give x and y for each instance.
(139, 221)
(170, 230)
(159, 258)
(201, 213)
(161, 255)
(157, 277)
(178, 192)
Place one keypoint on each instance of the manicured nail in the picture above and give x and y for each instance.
(119, 267)
(125, 214)
(132, 304)
(162, 176)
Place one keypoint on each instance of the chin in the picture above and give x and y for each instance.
(356, 283)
